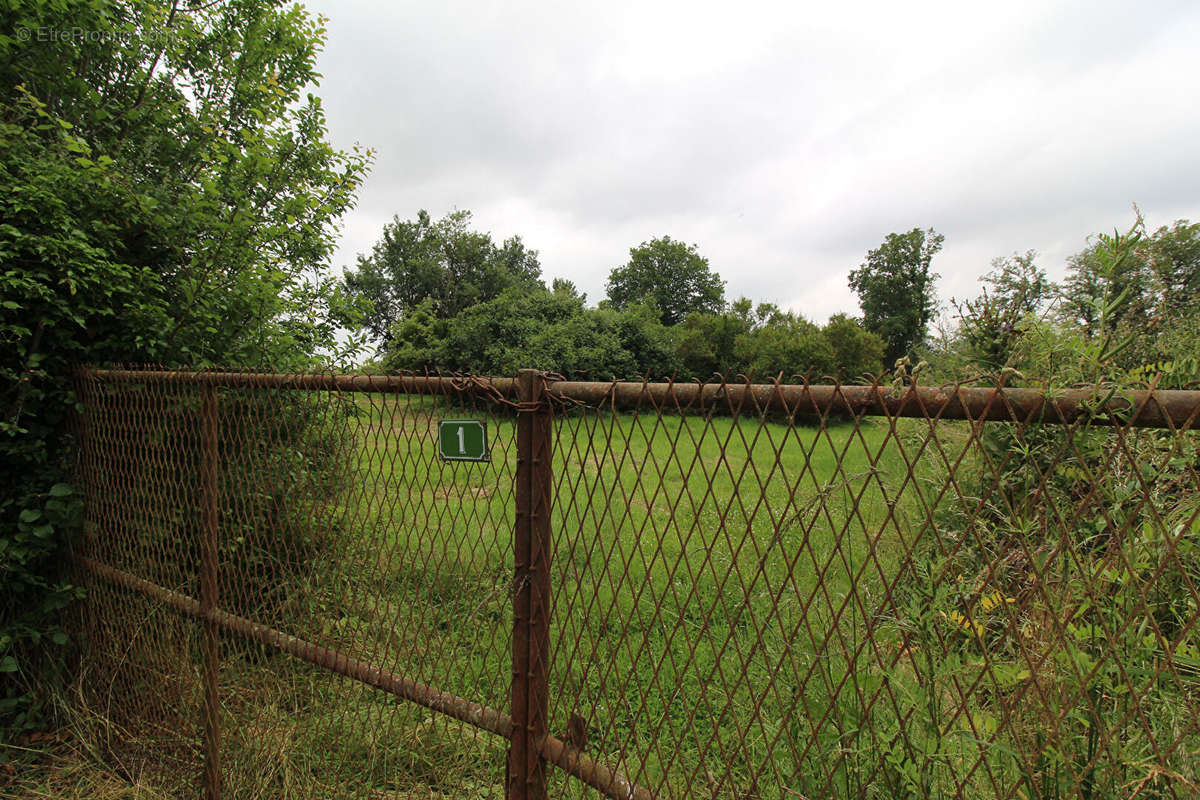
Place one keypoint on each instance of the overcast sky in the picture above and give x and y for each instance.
(783, 139)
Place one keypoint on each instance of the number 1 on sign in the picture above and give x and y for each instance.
(463, 440)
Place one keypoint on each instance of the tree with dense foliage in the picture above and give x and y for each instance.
(443, 262)
(764, 341)
(707, 342)
(541, 329)
(1018, 282)
(1174, 260)
(169, 197)
(423, 326)
(786, 346)
(670, 275)
(896, 289)
(856, 351)
(568, 288)
(1101, 274)
(1116, 318)
(1015, 291)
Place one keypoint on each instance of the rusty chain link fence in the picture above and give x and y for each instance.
(646, 591)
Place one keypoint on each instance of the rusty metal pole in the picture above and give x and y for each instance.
(208, 601)
(531, 596)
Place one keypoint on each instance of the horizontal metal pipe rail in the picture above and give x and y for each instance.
(1163, 408)
(1099, 405)
(609, 782)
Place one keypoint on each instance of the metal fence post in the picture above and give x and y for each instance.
(531, 595)
(208, 600)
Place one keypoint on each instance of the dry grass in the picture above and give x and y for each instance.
(61, 767)
(69, 763)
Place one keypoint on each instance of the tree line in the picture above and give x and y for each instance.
(438, 295)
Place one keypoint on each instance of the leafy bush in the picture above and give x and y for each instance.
(141, 225)
(788, 345)
(440, 267)
(546, 330)
(1114, 591)
(856, 351)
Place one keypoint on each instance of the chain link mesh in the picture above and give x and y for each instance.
(754, 592)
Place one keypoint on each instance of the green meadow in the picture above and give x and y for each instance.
(710, 583)
(748, 607)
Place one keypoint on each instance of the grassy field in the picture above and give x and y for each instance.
(741, 608)
(708, 574)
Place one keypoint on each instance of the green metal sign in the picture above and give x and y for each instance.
(463, 440)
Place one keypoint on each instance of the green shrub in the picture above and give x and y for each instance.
(139, 227)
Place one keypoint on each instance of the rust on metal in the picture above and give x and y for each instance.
(472, 713)
(531, 581)
(208, 600)
(664, 590)
(609, 782)
(316, 381)
(582, 766)
(1151, 409)
(1101, 405)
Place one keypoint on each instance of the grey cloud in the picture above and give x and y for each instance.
(784, 140)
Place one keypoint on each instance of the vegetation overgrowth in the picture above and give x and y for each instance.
(169, 198)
